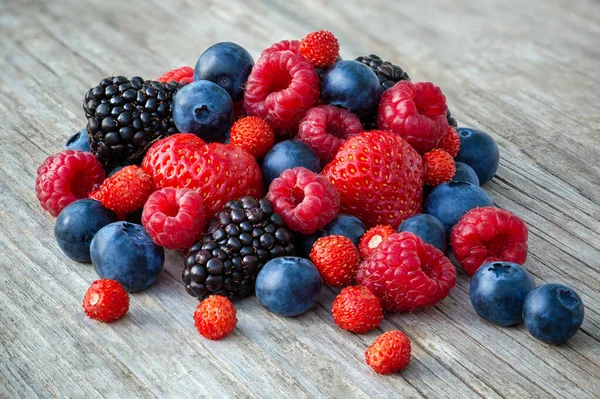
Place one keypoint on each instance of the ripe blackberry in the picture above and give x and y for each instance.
(451, 120)
(125, 116)
(387, 73)
(239, 241)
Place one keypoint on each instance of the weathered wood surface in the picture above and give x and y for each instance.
(527, 72)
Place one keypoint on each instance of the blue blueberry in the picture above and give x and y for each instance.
(450, 201)
(465, 173)
(288, 286)
(498, 291)
(226, 64)
(342, 225)
(352, 85)
(78, 141)
(205, 109)
(478, 150)
(288, 154)
(428, 227)
(77, 224)
(553, 313)
(125, 252)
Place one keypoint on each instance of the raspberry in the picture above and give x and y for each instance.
(66, 177)
(325, 128)
(389, 353)
(450, 142)
(306, 201)
(379, 178)
(439, 167)
(280, 88)
(356, 309)
(184, 74)
(106, 301)
(320, 48)
(407, 274)
(336, 259)
(218, 172)
(174, 217)
(486, 235)
(284, 45)
(215, 317)
(252, 134)
(415, 111)
(371, 240)
(125, 191)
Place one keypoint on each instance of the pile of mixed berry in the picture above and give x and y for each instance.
(281, 175)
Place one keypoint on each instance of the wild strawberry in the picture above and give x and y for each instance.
(252, 134)
(106, 301)
(125, 191)
(450, 142)
(439, 167)
(371, 240)
(320, 48)
(215, 317)
(389, 353)
(336, 258)
(357, 310)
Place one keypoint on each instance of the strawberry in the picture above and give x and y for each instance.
(389, 353)
(320, 48)
(371, 240)
(252, 134)
(106, 301)
(450, 142)
(336, 258)
(356, 309)
(215, 317)
(439, 167)
(126, 191)
(379, 177)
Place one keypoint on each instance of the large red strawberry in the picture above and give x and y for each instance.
(217, 171)
(379, 177)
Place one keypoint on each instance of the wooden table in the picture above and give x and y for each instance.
(527, 72)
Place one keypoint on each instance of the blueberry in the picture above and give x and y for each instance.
(288, 286)
(226, 64)
(478, 150)
(498, 290)
(203, 108)
(352, 85)
(428, 227)
(465, 173)
(125, 252)
(78, 141)
(288, 154)
(343, 225)
(76, 226)
(450, 201)
(553, 313)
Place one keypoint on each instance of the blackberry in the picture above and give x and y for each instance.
(125, 116)
(451, 120)
(388, 73)
(239, 241)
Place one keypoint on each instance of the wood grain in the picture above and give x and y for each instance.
(526, 73)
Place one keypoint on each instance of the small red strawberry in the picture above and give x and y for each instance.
(320, 48)
(184, 74)
(215, 317)
(252, 134)
(356, 309)
(379, 177)
(439, 167)
(371, 240)
(389, 353)
(126, 191)
(336, 258)
(106, 301)
(450, 142)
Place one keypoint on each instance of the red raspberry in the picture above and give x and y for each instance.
(325, 128)
(320, 48)
(415, 111)
(125, 191)
(174, 217)
(252, 134)
(450, 142)
(486, 235)
(389, 353)
(284, 45)
(218, 172)
(356, 309)
(215, 317)
(306, 201)
(280, 88)
(439, 167)
(379, 177)
(106, 301)
(66, 177)
(408, 274)
(371, 240)
(184, 74)
(336, 259)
